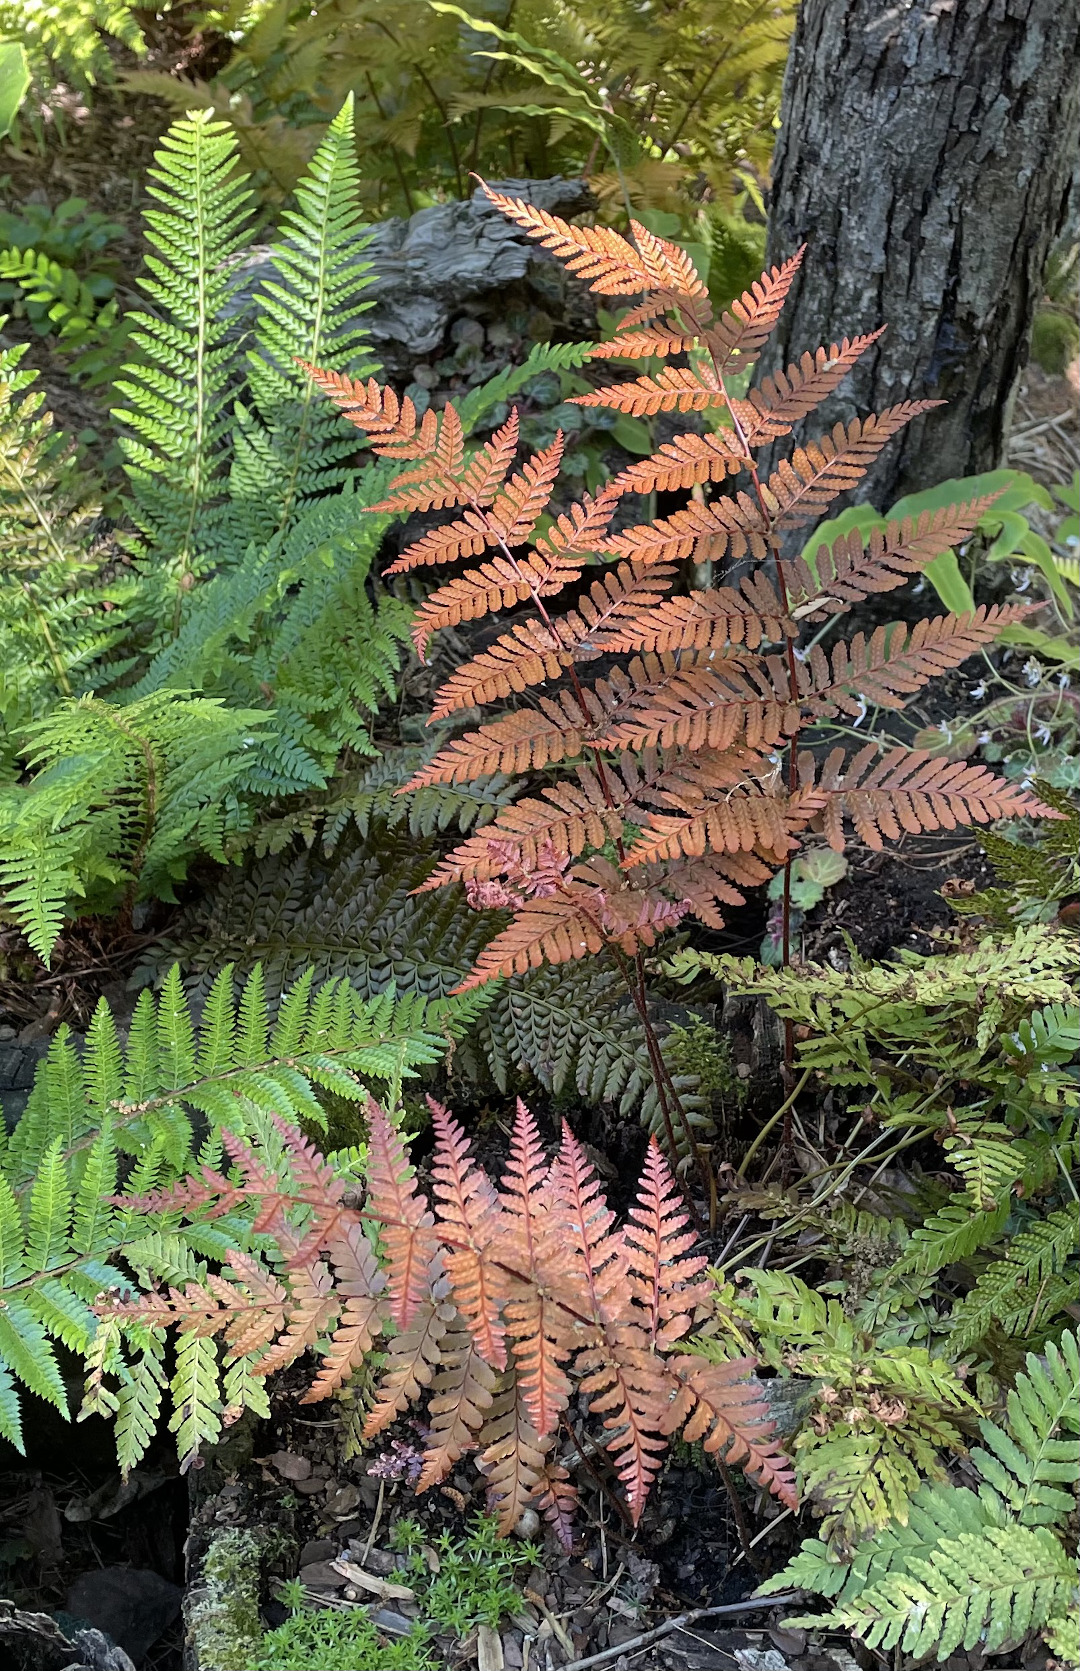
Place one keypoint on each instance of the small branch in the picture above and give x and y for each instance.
(683, 1620)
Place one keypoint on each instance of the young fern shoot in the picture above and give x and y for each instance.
(671, 803)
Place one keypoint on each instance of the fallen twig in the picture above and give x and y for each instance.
(660, 1631)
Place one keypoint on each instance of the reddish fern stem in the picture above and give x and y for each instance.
(665, 1086)
(793, 691)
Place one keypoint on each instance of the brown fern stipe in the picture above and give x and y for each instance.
(497, 1302)
(672, 752)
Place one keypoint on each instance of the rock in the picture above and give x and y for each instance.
(320, 1575)
(290, 1467)
(513, 1657)
(309, 1488)
(528, 1525)
(98, 1653)
(318, 1549)
(343, 1502)
(760, 1659)
(428, 266)
(133, 1607)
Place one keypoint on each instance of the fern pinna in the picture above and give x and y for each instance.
(675, 802)
(497, 1300)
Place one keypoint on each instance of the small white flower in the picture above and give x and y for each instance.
(984, 737)
(1064, 682)
(977, 692)
(1041, 734)
(1021, 579)
(946, 731)
(862, 712)
(801, 655)
(1032, 671)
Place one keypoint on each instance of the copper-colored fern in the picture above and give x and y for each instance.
(674, 774)
(496, 1302)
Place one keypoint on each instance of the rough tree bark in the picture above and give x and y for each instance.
(924, 158)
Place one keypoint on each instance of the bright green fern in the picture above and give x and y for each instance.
(57, 618)
(178, 396)
(120, 800)
(289, 442)
(966, 1570)
(142, 1113)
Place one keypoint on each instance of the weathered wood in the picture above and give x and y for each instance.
(924, 157)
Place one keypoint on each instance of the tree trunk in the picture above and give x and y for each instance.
(924, 158)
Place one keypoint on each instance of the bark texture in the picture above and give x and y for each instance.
(924, 158)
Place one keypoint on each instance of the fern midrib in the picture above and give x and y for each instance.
(202, 329)
(312, 357)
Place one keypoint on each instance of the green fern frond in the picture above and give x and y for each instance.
(952, 1235)
(1027, 1288)
(70, 38)
(120, 798)
(178, 394)
(57, 618)
(1026, 1462)
(981, 1590)
(367, 797)
(480, 403)
(161, 1101)
(291, 443)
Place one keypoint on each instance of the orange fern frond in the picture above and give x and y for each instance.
(729, 526)
(704, 704)
(908, 789)
(612, 266)
(741, 333)
(375, 408)
(412, 1359)
(359, 1282)
(433, 484)
(517, 742)
(312, 1307)
(578, 532)
(462, 1394)
(673, 389)
(513, 1456)
(661, 1280)
(682, 462)
(857, 565)
(721, 1405)
(520, 504)
(486, 470)
(532, 652)
(654, 342)
(542, 1330)
(469, 1211)
(774, 408)
(466, 537)
(570, 817)
(727, 819)
(405, 1216)
(806, 484)
(894, 662)
(498, 584)
(701, 621)
(544, 931)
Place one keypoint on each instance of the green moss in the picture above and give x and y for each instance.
(223, 1620)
